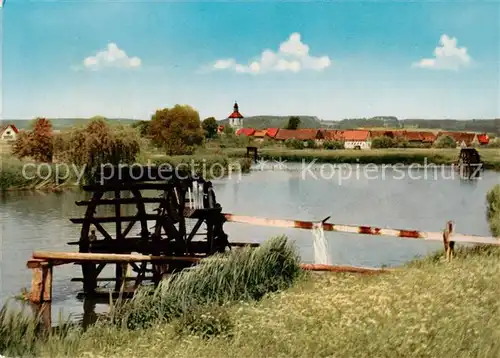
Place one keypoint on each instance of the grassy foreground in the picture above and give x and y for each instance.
(490, 156)
(428, 309)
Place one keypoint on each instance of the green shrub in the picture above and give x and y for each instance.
(445, 142)
(493, 211)
(333, 144)
(494, 143)
(294, 144)
(383, 142)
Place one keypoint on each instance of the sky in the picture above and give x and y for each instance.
(330, 59)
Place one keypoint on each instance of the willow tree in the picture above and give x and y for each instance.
(98, 144)
(178, 129)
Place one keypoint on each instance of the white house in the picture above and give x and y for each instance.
(357, 139)
(8, 133)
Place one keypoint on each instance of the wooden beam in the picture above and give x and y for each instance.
(347, 269)
(128, 186)
(94, 220)
(109, 258)
(109, 279)
(121, 201)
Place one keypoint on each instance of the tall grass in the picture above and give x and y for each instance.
(12, 176)
(493, 211)
(244, 274)
(194, 300)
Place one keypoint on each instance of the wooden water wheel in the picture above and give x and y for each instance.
(170, 209)
(469, 163)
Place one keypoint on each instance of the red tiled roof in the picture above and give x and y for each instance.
(260, 133)
(413, 136)
(4, 127)
(245, 131)
(483, 138)
(428, 137)
(235, 114)
(272, 132)
(459, 137)
(356, 135)
(333, 134)
(379, 133)
(299, 134)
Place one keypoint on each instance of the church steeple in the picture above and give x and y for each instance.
(235, 118)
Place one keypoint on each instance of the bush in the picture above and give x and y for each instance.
(445, 142)
(493, 211)
(494, 143)
(294, 144)
(333, 144)
(383, 142)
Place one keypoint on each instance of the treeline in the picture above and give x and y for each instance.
(173, 131)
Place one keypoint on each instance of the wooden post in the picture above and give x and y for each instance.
(449, 246)
(41, 284)
(36, 285)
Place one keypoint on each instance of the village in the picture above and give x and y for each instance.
(358, 139)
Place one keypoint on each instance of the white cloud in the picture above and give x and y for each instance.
(293, 55)
(113, 56)
(447, 56)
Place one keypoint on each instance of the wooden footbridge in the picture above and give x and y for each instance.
(186, 204)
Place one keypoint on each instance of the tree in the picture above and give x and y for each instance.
(37, 143)
(382, 142)
(293, 123)
(178, 129)
(210, 127)
(144, 127)
(445, 141)
(98, 144)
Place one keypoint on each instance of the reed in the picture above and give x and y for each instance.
(493, 210)
(245, 274)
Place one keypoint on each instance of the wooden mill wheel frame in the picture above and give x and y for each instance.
(178, 205)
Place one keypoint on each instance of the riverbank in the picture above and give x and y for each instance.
(490, 156)
(430, 308)
(57, 177)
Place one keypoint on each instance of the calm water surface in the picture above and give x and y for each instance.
(38, 221)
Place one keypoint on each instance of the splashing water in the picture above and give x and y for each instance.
(320, 245)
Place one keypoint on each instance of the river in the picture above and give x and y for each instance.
(40, 221)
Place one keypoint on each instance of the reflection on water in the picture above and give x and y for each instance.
(40, 221)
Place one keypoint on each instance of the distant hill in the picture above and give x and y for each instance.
(65, 123)
(262, 122)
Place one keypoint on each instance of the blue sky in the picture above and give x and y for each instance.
(337, 59)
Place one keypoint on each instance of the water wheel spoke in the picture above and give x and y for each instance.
(102, 230)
